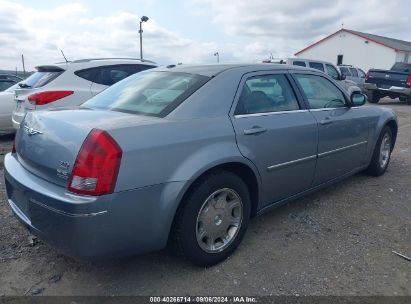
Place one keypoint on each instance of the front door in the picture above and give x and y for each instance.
(343, 130)
(276, 134)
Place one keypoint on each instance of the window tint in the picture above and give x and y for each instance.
(143, 67)
(361, 73)
(6, 84)
(148, 93)
(299, 63)
(109, 75)
(317, 66)
(266, 93)
(320, 92)
(345, 71)
(332, 71)
(87, 74)
(354, 72)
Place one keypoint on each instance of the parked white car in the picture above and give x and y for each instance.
(7, 105)
(71, 83)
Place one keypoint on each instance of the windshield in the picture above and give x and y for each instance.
(39, 79)
(148, 93)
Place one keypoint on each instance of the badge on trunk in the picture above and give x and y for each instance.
(30, 131)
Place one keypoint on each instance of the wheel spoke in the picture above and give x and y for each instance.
(219, 220)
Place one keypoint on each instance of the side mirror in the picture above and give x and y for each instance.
(343, 76)
(358, 99)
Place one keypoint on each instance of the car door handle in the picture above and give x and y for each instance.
(254, 130)
(326, 121)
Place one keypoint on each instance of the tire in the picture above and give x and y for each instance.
(191, 237)
(379, 163)
(409, 100)
(402, 98)
(374, 97)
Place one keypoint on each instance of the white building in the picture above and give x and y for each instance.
(358, 49)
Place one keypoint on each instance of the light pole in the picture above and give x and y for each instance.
(218, 56)
(143, 19)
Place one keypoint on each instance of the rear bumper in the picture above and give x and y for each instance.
(392, 89)
(119, 224)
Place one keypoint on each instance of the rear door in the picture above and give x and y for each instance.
(343, 130)
(276, 133)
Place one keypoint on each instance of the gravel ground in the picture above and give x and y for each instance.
(338, 241)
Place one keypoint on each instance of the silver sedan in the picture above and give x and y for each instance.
(185, 156)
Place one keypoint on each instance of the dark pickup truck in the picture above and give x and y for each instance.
(395, 83)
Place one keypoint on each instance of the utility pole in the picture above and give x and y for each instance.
(24, 68)
(218, 56)
(143, 19)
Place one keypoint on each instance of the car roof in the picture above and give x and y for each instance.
(94, 62)
(215, 69)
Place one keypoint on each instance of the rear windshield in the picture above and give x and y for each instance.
(148, 93)
(402, 67)
(40, 79)
(5, 84)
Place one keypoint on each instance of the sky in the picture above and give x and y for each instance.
(187, 31)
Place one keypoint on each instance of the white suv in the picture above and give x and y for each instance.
(71, 83)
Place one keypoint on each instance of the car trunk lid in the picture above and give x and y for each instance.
(48, 142)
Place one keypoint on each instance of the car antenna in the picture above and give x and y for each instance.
(63, 55)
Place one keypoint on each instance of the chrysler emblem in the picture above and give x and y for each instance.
(30, 131)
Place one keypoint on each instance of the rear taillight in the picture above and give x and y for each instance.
(366, 76)
(96, 168)
(43, 98)
(13, 150)
(409, 81)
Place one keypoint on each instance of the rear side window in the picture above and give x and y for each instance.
(87, 74)
(317, 66)
(332, 72)
(320, 92)
(354, 72)
(143, 67)
(40, 79)
(148, 93)
(266, 93)
(299, 63)
(109, 75)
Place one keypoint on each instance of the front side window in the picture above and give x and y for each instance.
(317, 66)
(266, 93)
(354, 72)
(148, 93)
(320, 92)
(332, 72)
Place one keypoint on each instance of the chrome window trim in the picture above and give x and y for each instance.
(269, 113)
(291, 163)
(323, 154)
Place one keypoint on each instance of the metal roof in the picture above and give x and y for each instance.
(395, 44)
